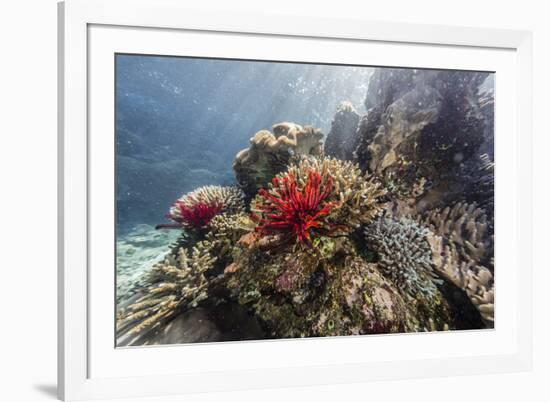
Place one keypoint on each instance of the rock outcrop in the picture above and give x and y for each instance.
(341, 140)
(423, 126)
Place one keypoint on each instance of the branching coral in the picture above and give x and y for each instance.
(463, 252)
(466, 226)
(270, 153)
(170, 287)
(404, 255)
(225, 231)
(196, 209)
(317, 196)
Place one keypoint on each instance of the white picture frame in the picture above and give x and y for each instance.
(89, 365)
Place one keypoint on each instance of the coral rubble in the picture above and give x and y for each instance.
(136, 252)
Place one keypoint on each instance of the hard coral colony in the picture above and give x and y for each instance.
(312, 245)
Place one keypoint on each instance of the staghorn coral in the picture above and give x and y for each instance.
(195, 210)
(404, 255)
(317, 196)
(462, 247)
(270, 153)
(170, 287)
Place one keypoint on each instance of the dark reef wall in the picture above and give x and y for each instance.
(428, 135)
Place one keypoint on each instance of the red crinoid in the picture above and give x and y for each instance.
(298, 212)
(192, 215)
(196, 215)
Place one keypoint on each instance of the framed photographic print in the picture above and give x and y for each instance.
(248, 202)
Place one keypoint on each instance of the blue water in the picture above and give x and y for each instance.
(180, 121)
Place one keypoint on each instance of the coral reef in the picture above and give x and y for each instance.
(462, 247)
(388, 229)
(270, 153)
(196, 209)
(171, 286)
(341, 140)
(404, 255)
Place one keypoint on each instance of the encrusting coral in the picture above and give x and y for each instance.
(404, 254)
(196, 209)
(327, 291)
(171, 287)
(270, 153)
(462, 249)
(317, 197)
